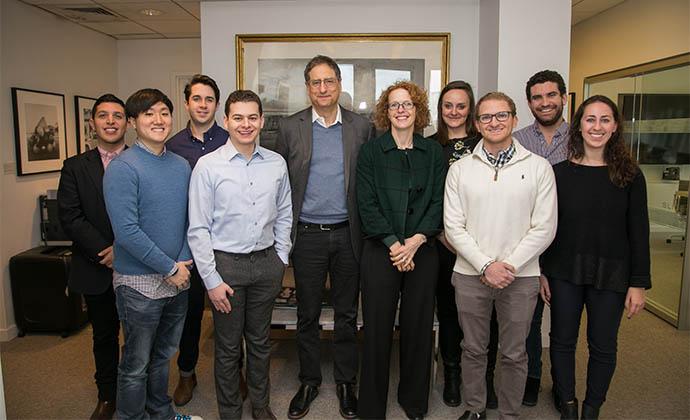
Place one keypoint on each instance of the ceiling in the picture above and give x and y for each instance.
(159, 19)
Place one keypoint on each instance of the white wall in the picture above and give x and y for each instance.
(42, 52)
(534, 35)
(155, 63)
(223, 20)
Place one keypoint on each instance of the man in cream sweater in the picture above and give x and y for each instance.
(499, 214)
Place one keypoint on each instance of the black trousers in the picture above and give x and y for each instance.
(256, 279)
(450, 334)
(382, 287)
(604, 311)
(191, 333)
(105, 322)
(317, 253)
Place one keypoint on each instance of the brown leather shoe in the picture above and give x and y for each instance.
(243, 387)
(185, 389)
(104, 410)
(263, 413)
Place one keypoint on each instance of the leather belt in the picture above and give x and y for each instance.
(322, 226)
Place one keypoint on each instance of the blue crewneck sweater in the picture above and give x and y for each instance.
(146, 199)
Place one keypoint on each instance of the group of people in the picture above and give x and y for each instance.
(475, 221)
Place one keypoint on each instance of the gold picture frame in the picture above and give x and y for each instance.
(272, 65)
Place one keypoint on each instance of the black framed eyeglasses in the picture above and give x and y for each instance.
(500, 117)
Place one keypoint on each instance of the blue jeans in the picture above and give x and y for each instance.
(152, 329)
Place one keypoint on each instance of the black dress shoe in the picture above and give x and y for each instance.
(491, 397)
(589, 412)
(469, 415)
(105, 410)
(413, 416)
(347, 399)
(531, 395)
(569, 410)
(299, 406)
(451, 384)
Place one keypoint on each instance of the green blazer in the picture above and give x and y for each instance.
(400, 192)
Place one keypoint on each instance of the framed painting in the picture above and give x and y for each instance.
(272, 65)
(39, 131)
(86, 135)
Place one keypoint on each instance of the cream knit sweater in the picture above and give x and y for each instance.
(508, 216)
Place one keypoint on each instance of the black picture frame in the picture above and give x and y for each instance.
(39, 131)
(86, 135)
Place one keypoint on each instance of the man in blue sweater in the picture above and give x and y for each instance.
(145, 191)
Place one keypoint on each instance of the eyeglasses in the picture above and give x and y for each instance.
(329, 83)
(500, 117)
(394, 106)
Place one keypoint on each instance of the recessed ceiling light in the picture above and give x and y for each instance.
(150, 12)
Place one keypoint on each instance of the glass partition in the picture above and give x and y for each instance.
(655, 102)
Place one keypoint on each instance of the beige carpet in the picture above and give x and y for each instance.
(49, 377)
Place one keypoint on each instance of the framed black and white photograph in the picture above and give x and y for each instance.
(39, 131)
(272, 65)
(86, 135)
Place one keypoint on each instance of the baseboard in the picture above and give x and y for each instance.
(7, 334)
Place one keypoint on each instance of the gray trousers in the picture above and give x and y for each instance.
(256, 279)
(514, 309)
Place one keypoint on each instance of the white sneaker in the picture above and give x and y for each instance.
(180, 416)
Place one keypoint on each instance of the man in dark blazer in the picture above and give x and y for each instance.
(84, 219)
(320, 145)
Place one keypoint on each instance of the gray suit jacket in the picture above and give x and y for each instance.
(294, 143)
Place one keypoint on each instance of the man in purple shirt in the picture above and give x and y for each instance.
(201, 136)
(548, 138)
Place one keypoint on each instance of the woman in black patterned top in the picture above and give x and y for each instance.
(599, 259)
(457, 136)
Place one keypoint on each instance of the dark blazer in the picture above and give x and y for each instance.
(294, 143)
(82, 213)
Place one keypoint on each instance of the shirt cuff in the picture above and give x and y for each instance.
(172, 272)
(283, 257)
(213, 281)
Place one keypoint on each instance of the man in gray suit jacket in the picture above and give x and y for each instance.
(320, 145)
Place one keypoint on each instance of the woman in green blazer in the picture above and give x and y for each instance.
(400, 177)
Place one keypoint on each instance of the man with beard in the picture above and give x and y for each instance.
(548, 138)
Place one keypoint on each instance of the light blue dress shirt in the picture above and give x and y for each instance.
(238, 206)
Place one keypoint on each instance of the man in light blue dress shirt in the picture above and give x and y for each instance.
(240, 217)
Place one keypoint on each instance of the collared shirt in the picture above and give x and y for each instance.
(238, 205)
(503, 157)
(189, 147)
(315, 117)
(145, 147)
(534, 141)
(107, 156)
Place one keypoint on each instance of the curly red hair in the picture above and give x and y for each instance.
(419, 98)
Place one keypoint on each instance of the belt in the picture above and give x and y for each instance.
(260, 252)
(322, 226)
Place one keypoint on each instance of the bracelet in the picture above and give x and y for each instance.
(481, 272)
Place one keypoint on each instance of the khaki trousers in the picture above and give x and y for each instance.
(514, 309)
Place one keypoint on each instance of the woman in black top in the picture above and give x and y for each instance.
(400, 197)
(600, 256)
(457, 136)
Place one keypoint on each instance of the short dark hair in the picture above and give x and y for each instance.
(242, 96)
(543, 77)
(143, 99)
(321, 59)
(106, 98)
(204, 80)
